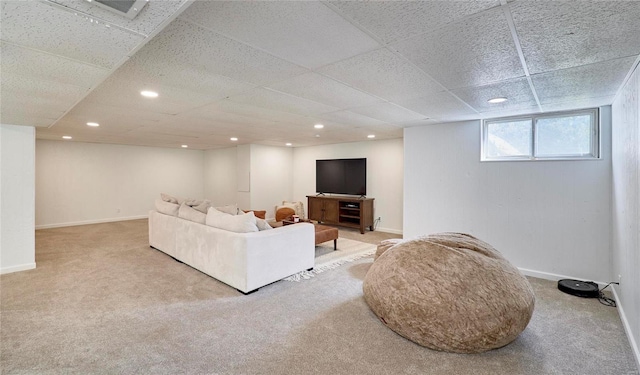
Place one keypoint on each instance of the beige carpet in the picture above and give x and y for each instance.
(102, 302)
(327, 258)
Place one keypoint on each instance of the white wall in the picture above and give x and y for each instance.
(271, 177)
(626, 206)
(550, 217)
(17, 198)
(384, 175)
(81, 183)
(220, 177)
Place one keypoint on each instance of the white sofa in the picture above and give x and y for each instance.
(245, 261)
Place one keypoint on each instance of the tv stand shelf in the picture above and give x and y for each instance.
(340, 210)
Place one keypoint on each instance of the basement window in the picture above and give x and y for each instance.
(556, 136)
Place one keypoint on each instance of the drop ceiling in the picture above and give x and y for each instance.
(267, 71)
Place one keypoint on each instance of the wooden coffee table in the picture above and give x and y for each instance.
(323, 233)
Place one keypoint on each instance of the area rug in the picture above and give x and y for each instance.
(328, 259)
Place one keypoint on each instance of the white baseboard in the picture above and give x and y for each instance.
(21, 267)
(389, 230)
(554, 277)
(74, 223)
(627, 328)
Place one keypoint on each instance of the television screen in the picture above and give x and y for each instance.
(342, 176)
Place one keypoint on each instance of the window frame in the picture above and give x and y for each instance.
(595, 146)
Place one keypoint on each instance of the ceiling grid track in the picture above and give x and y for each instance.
(507, 13)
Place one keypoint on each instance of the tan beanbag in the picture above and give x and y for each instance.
(449, 292)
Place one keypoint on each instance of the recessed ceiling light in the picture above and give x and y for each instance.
(149, 94)
(67, 137)
(233, 139)
(288, 144)
(318, 126)
(94, 124)
(497, 100)
(371, 136)
(185, 146)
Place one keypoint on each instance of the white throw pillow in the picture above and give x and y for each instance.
(262, 224)
(244, 223)
(188, 213)
(202, 207)
(167, 208)
(168, 198)
(298, 207)
(231, 209)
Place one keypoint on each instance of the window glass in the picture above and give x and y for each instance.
(511, 138)
(562, 136)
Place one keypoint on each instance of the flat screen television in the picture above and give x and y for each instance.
(342, 176)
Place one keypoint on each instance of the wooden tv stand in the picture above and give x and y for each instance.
(345, 211)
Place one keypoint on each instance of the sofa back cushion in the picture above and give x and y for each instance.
(167, 208)
(189, 213)
(244, 223)
(231, 209)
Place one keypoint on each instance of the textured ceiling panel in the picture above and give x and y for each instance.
(395, 20)
(439, 105)
(186, 43)
(143, 67)
(22, 108)
(578, 104)
(282, 102)
(304, 32)
(388, 112)
(153, 14)
(37, 25)
(472, 52)
(595, 80)
(325, 90)
(564, 34)
(35, 64)
(383, 74)
(258, 113)
(58, 96)
(347, 117)
(517, 92)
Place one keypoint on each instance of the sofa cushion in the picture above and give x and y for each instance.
(244, 223)
(231, 209)
(167, 208)
(189, 213)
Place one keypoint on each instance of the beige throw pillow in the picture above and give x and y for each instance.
(188, 213)
(298, 207)
(167, 208)
(244, 223)
(203, 206)
(168, 198)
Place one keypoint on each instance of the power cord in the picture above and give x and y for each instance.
(604, 299)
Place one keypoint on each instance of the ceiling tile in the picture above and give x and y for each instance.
(184, 43)
(153, 14)
(350, 118)
(438, 105)
(578, 104)
(383, 74)
(307, 33)
(282, 102)
(34, 64)
(325, 90)
(255, 112)
(37, 25)
(388, 112)
(472, 52)
(595, 80)
(563, 34)
(395, 20)
(517, 91)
